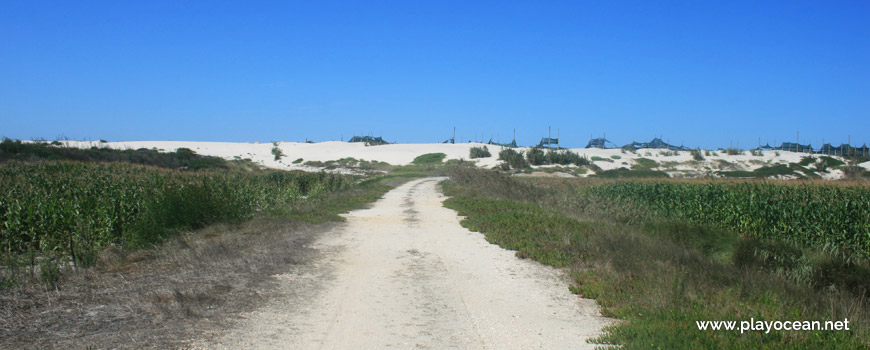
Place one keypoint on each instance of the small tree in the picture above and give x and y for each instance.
(276, 151)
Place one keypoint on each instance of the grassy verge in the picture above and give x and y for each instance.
(659, 274)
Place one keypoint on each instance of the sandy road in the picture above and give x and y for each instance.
(404, 274)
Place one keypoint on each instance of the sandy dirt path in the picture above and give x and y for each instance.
(404, 274)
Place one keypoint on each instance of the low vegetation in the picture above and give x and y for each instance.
(180, 158)
(512, 159)
(624, 173)
(833, 217)
(277, 152)
(648, 260)
(58, 212)
(697, 154)
(365, 166)
(479, 152)
(429, 159)
(778, 170)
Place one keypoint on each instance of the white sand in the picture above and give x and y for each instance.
(680, 165)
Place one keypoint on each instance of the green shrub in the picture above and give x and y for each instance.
(600, 159)
(479, 152)
(696, 154)
(831, 162)
(535, 156)
(277, 152)
(644, 164)
(731, 151)
(429, 158)
(513, 159)
(565, 157)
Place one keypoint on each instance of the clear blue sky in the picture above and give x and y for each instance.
(702, 73)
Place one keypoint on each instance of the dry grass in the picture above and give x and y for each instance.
(159, 297)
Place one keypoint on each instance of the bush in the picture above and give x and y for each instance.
(535, 156)
(733, 151)
(565, 157)
(429, 158)
(696, 154)
(479, 152)
(276, 151)
(513, 159)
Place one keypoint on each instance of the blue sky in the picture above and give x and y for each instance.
(701, 73)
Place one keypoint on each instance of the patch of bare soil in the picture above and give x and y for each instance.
(162, 297)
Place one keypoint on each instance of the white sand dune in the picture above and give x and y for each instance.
(679, 165)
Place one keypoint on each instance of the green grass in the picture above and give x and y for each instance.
(429, 158)
(644, 164)
(657, 273)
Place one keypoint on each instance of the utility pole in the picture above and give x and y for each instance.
(548, 137)
(558, 146)
(798, 145)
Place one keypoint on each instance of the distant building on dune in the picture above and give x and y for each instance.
(512, 144)
(843, 150)
(655, 143)
(369, 140)
(548, 142)
(795, 147)
(601, 143)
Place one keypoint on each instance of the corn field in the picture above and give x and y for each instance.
(66, 212)
(832, 216)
